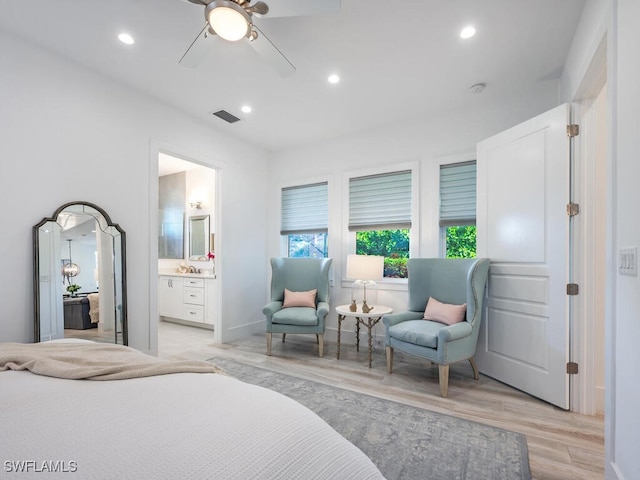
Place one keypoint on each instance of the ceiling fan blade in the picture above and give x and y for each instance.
(267, 50)
(259, 8)
(300, 8)
(197, 50)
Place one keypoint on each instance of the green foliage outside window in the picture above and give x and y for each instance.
(461, 242)
(391, 244)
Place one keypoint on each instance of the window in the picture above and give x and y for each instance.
(304, 220)
(458, 209)
(380, 215)
(393, 245)
(312, 245)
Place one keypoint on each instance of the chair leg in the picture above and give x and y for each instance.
(283, 336)
(320, 338)
(389, 352)
(472, 361)
(269, 344)
(443, 374)
(317, 338)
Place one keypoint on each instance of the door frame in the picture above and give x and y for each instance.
(155, 148)
(582, 333)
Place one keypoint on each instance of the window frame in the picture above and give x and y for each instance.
(349, 237)
(442, 247)
(284, 239)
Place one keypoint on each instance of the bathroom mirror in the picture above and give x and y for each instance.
(80, 288)
(199, 233)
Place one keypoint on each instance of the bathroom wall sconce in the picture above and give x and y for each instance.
(197, 205)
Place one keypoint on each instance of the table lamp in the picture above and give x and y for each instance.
(366, 269)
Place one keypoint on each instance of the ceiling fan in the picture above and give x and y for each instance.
(235, 20)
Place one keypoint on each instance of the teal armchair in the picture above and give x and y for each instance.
(451, 281)
(298, 275)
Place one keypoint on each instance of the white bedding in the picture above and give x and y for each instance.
(177, 426)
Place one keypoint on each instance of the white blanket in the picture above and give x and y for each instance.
(180, 426)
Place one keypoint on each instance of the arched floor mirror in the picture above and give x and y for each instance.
(80, 287)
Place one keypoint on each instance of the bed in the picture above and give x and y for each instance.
(158, 426)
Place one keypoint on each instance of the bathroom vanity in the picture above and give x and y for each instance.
(188, 298)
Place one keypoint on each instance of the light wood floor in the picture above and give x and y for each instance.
(562, 445)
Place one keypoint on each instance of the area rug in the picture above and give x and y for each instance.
(404, 442)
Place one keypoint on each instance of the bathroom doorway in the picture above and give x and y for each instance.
(188, 282)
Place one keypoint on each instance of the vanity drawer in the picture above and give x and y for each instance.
(194, 282)
(195, 313)
(193, 295)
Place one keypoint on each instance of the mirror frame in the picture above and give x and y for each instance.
(36, 266)
(207, 235)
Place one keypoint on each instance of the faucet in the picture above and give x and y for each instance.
(192, 269)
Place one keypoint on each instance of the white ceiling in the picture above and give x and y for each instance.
(399, 60)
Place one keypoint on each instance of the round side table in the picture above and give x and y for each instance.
(369, 320)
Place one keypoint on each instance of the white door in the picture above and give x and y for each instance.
(523, 227)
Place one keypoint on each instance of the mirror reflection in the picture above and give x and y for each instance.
(79, 276)
(198, 236)
(171, 204)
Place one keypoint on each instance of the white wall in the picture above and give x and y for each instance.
(435, 140)
(626, 143)
(617, 19)
(593, 25)
(70, 134)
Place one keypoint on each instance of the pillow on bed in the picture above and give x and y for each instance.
(444, 312)
(299, 299)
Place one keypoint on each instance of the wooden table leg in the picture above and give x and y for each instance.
(357, 334)
(340, 319)
(369, 325)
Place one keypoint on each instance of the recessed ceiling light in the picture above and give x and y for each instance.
(126, 38)
(333, 78)
(246, 109)
(467, 32)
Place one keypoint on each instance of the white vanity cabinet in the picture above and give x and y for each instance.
(170, 292)
(187, 298)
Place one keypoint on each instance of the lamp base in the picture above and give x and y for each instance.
(364, 291)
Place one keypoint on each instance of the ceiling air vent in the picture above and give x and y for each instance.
(226, 116)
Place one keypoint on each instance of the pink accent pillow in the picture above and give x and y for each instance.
(444, 312)
(299, 299)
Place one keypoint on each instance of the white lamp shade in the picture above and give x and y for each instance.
(365, 267)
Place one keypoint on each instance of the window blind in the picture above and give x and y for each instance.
(380, 202)
(305, 209)
(458, 194)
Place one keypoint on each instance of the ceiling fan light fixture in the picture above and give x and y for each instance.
(228, 20)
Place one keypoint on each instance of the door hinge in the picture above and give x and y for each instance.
(573, 209)
(572, 289)
(572, 368)
(573, 130)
